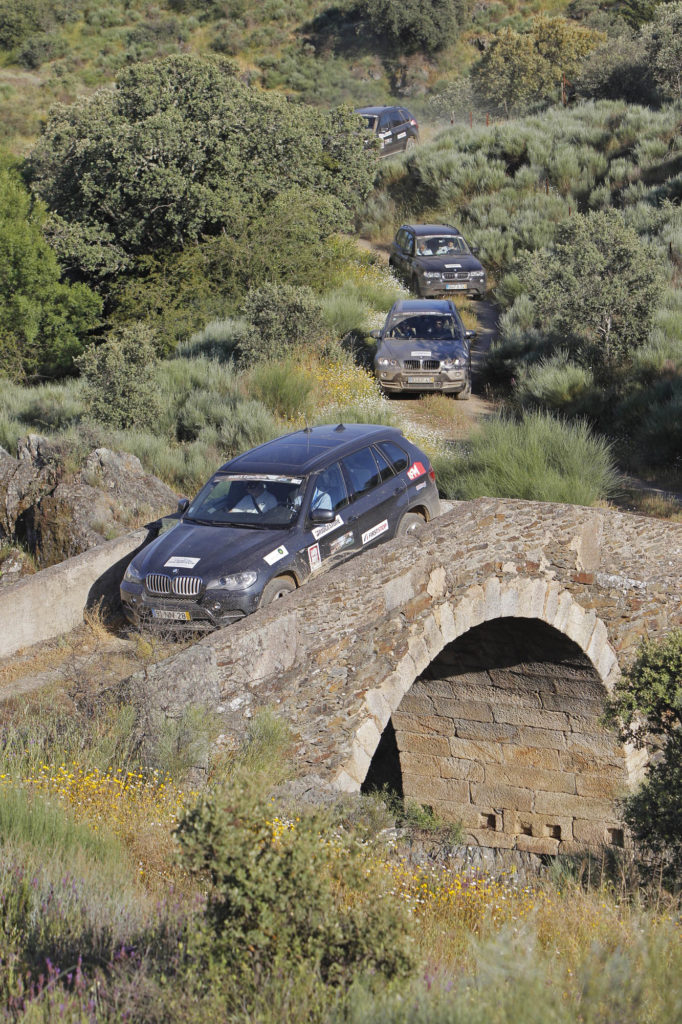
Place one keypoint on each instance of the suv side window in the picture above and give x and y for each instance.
(361, 472)
(397, 119)
(385, 468)
(398, 458)
(330, 490)
(409, 243)
(401, 239)
(384, 123)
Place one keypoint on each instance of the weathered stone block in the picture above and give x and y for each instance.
(529, 717)
(422, 743)
(435, 791)
(500, 796)
(422, 724)
(475, 750)
(541, 738)
(603, 785)
(531, 757)
(489, 838)
(573, 806)
(531, 778)
(541, 826)
(458, 768)
(416, 704)
(471, 710)
(533, 844)
(420, 764)
(604, 746)
(489, 731)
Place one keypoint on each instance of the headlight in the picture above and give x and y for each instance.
(431, 273)
(448, 364)
(386, 362)
(133, 575)
(238, 581)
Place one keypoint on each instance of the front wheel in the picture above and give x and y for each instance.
(465, 394)
(410, 525)
(276, 589)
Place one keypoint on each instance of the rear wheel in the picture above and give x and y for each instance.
(276, 589)
(410, 144)
(410, 525)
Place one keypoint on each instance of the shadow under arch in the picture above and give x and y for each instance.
(496, 722)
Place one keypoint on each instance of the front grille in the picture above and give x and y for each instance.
(157, 583)
(421, 364)
(451, 275)
(187, 586)
(182, 586)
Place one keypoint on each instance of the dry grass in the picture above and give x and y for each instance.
(647, 503)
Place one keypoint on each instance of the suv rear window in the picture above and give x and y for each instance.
(398, 458)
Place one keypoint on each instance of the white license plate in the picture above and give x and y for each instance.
(420, 380)
(162, 613)
(455, 287)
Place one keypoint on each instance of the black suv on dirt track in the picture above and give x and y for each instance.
(434, 260)
(395, 128)
(272, 517)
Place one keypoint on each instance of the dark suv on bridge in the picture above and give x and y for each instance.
(434, 260)
(269, 519)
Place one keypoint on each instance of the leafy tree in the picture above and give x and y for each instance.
(596, 289)
(44, 322)
(119, 388)
(413, 24)
(182, 149)
(648, 702)
(524, 70)
(663, 39)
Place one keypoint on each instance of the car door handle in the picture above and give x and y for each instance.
(351, 519)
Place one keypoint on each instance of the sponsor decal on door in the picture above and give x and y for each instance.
(415, 471)
(314, 557)
(375, 532)
(275, 555)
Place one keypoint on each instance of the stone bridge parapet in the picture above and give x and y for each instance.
(469, 666)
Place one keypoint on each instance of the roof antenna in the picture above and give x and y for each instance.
(306, 429)
(340, 427)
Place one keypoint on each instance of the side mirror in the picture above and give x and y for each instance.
(375, 334)
(471, 335)
(183, 505)
(322, 515)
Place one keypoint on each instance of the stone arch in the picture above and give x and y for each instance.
(535, 601)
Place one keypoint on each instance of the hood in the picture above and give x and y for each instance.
(217, 549)
(422, 348)
(460, 261)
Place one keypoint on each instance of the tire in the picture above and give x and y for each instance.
(276, 589)
(465, 394)
(411, 525)
(410, 144)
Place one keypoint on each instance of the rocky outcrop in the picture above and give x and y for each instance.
(57, 514)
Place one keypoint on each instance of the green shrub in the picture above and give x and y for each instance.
(285, 388)
(559, 385)
(282, 317)
(118, 379)
(274, 902)
(412, 24)
(537, 458)
(219, 339)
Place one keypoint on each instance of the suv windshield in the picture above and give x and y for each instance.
(426, 326)
(369, 120)
(441, 245)
(258, 501)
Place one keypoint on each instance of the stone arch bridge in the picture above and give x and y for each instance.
(467, 667)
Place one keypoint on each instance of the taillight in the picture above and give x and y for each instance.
(432, 475)
(414, 123)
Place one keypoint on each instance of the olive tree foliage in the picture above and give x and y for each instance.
(413, 24)
(663, 41)
(182, 149)
(118, 379)
(595, 290)
(523, 71)
(282, 318)
(647, 704)
(44, 322)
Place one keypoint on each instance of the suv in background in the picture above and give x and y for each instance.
(274, 516)
(395, 128)
(423, 346)
(434, 259)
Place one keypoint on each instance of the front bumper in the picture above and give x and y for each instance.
(212, 610)
(446, 381)
(432, 289)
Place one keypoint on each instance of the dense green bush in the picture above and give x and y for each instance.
(118, 377)
(275, 899)
(648, 702)
(44, 322)
(413, 24)
(283, 318)
(537, 458)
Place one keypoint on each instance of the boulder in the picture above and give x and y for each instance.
(22, 484)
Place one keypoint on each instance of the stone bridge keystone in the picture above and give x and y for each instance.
(466, 668)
